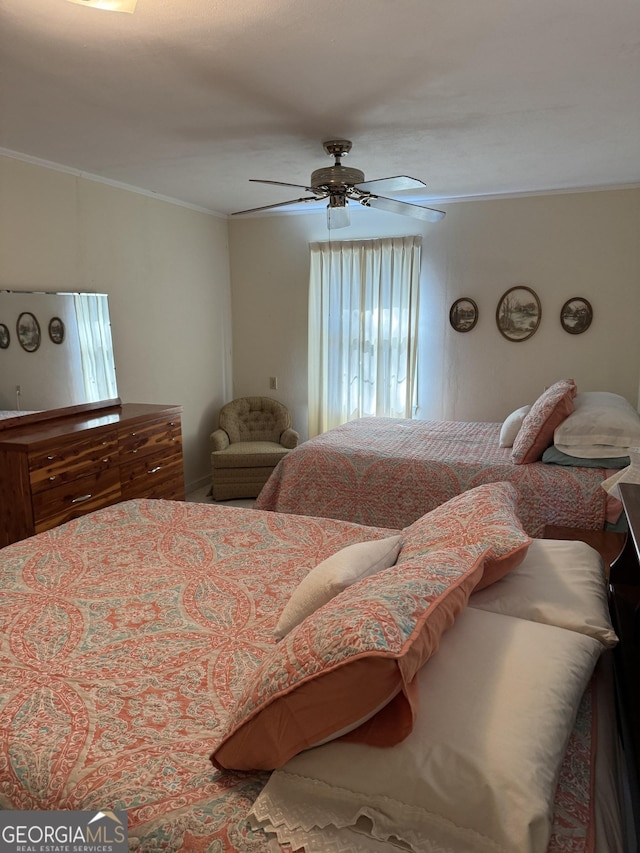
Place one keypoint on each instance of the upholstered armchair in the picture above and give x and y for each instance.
(253, 435)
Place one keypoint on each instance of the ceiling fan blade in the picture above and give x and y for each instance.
(391, 185)
(283, 184)
(273, 206)
(403, 207)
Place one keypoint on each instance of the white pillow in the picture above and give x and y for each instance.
(479, 770)
(333, 575)
(558, 583)
(511, 426)
(602, 424)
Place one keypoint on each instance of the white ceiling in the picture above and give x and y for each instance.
(191, 98)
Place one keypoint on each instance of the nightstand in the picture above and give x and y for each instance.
(607, 543)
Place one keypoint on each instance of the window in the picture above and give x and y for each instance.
(96, 347)
(363, 320)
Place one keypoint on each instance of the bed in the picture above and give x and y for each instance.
(390, 471)
(130, 636)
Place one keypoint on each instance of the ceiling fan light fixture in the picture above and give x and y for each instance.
(338, 211)
(108, 5)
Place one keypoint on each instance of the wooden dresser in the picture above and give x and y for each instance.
(64, 467)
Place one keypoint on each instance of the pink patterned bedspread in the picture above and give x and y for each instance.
(125, 635)
(389, 471)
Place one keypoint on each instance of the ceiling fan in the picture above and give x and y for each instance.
(341, 184)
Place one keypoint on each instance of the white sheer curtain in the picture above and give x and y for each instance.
(363, 324)
(96, 347)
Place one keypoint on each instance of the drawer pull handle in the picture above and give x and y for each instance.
(82, 499)
(52, 478)
(133, 435)
(135, 450)
(106, 459)
(153, 470)
(50, 458)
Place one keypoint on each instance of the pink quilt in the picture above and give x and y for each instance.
(388, 471)
(125, 636)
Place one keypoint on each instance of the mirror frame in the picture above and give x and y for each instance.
(32, 418)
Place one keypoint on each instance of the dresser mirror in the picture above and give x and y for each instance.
(56, 353)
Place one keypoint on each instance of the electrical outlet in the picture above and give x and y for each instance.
(273, 383)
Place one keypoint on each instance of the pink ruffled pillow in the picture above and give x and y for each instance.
(551, 408)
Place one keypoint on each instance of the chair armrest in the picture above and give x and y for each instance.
(219, 440)
(289, 439)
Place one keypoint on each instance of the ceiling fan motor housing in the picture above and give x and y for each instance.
(336, 176)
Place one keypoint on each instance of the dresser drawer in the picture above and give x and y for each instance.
(157, 476)
(150, 437)
(67, 461)
(71, 500)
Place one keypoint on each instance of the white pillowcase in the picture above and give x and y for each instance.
(511, 426)
(558, 583)
(480, 768)
(630, 474)
(333, 575)
(602, 424)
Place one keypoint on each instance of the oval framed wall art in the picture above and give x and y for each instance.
(463, 314)
(576, 315)
(56, 330)
(518, 313)
(28, 331)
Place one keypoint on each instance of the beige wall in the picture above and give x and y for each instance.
(561, 245)
(164, 267)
